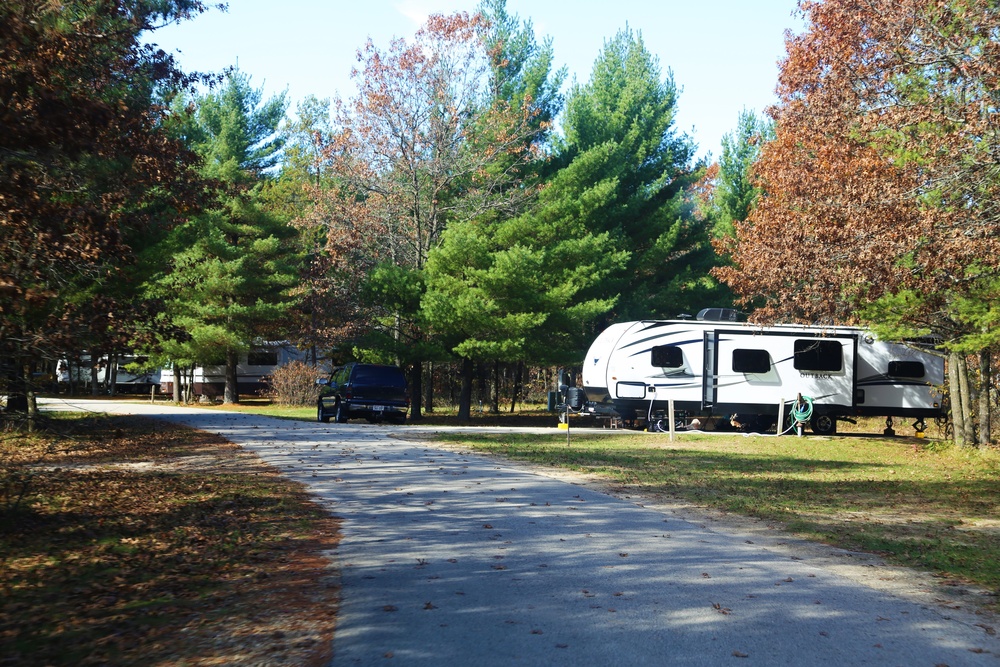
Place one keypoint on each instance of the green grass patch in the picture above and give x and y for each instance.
(267, 408)
(918, 502)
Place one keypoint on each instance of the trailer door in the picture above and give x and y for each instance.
(710, 376)
(757, 369)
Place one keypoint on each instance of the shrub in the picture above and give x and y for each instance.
(295, 384)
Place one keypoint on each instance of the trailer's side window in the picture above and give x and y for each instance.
(818, 356)
(751, 361)
(262, 358)
(667, 356)
(906, 369)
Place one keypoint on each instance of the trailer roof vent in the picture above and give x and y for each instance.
(720, 315)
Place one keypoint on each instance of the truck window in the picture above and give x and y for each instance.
(818, 356)
(751, 361)
(385, 376)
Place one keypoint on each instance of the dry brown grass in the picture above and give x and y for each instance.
(142, 543)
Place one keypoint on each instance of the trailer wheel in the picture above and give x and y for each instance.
(764, 423)
(823, 424)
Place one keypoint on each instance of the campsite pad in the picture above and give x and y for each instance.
(450, 558)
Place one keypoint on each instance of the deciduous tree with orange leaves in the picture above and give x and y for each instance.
(435, 135)
(881, 186)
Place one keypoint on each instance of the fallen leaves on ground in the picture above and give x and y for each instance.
(141, 543)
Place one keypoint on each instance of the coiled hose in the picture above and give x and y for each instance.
(802, 409)
(801, 413)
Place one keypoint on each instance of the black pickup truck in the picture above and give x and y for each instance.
(375, 392)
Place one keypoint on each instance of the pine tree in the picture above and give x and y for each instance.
(234, 266)
(622, 155)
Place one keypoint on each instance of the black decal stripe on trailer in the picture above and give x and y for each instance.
(678, 374)
(647, 350)
(889, 382)
(661, 337)
(656, 325)
(678, 385)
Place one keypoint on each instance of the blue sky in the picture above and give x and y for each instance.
(723, 53)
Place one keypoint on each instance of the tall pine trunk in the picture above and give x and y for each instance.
(495, 398)
(22, 396)
(969, 430)
(955, 391)
(176, 389)
(985, 381)
(232, 393)
(32, 398)
(429, 388)
(465, 397)
(416, 380)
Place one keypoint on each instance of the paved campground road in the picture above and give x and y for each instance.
(450, 558)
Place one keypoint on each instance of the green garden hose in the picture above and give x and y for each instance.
(802, 410)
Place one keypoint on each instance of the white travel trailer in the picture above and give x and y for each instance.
(108, 369)
(252, 371)
(722, 368)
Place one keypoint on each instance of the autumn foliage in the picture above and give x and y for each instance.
(881, 179)
(295, 384)
(86, 166)
(880, 189)
(429, 140)
(411, 150)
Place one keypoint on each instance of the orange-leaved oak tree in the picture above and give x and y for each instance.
(880, 187)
